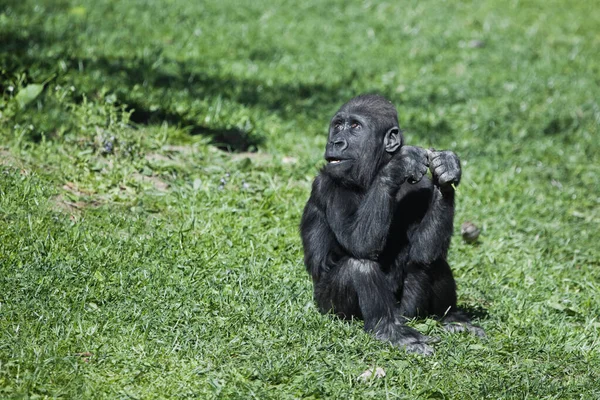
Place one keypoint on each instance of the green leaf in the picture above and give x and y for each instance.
(28, 94)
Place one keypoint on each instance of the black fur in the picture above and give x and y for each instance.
(376, 230)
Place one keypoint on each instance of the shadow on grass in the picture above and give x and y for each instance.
(24, 54)
(285, 99)
(143, 82)
(232, 139)
(474, 312)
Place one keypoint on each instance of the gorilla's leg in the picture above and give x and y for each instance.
(443, 300)
(358, 288)
(416, 292)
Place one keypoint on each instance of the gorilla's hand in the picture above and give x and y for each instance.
(409, 164)
(445, 167)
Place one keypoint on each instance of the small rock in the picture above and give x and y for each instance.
(476, 44)
(469, 231)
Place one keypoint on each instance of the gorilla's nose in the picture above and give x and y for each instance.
(339, 144)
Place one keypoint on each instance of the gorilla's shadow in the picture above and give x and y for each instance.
(477, 312)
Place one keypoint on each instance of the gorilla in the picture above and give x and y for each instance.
(376, 229)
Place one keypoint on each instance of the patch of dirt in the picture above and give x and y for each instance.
(289, 160)
(158, 183)
(72, 208)
(73, 188)
(66, 203)
(6, 158)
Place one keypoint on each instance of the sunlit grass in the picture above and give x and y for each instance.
(139, 259)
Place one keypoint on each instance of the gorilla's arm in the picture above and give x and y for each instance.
(362, 230)
(317, 238)
(430, 239)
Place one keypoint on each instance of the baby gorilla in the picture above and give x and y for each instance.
(376, 230)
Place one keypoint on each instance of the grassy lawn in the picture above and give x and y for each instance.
(155, 157)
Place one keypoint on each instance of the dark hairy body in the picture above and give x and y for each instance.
(376, 230)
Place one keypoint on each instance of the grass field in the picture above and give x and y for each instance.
(155, 157)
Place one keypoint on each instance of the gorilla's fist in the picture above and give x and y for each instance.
(408, 165)
(445, 167)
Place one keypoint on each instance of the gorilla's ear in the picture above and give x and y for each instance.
(392, 140)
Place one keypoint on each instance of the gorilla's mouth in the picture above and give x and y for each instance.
(332, 160)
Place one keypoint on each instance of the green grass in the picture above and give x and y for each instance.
(138, 259)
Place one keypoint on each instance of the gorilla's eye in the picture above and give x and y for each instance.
(356, 125)
(337, 126)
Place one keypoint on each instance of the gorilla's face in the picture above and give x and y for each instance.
(361, 140)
